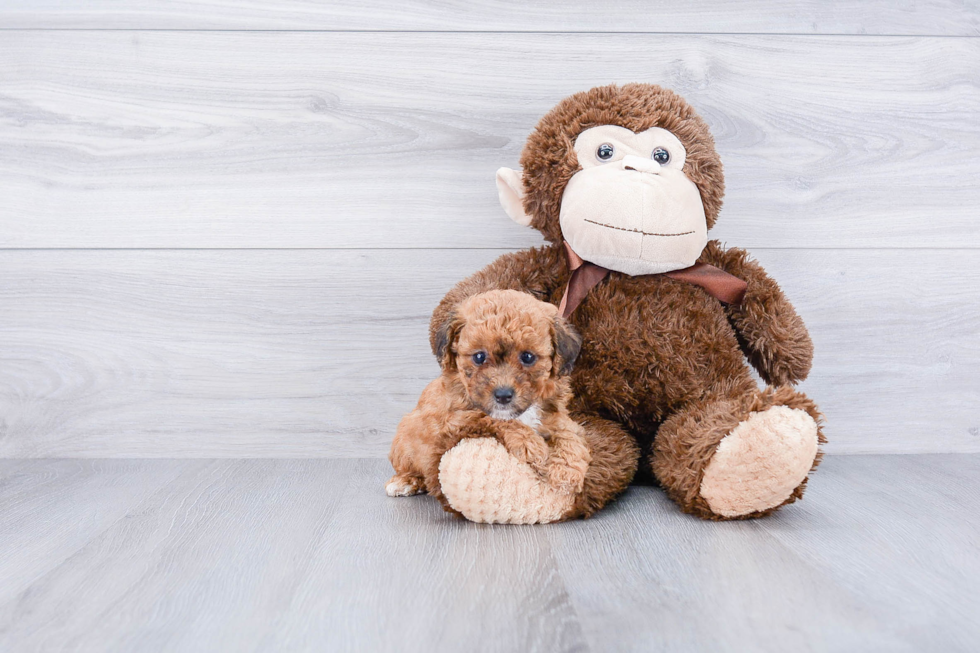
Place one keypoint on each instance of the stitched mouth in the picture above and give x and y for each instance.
(635, 231)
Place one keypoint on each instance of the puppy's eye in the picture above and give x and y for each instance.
(480, 357)
(605, 152)
(661, 156)
(528, 358)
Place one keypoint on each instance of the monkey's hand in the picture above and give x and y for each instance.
(772, 335)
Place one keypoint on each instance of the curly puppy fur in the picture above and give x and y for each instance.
(661, 359)
(505, 358)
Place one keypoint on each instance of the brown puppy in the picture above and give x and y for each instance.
(505, 358)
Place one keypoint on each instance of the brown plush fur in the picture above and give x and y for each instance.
(688, 439)
(549, 159)
(501, 325)
(661, 359)
(614, 461)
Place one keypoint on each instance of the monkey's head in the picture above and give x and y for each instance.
(627, 175)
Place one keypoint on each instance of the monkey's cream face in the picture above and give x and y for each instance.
(631, 208)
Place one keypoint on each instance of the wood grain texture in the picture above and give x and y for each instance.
(801, 16)
(294, 555)
(319, 353)
(862, 563)
(310, 555)
(225, 538)
(48, 513)
(190, 139)
(425, 580)
(915, 582)
(689, 587)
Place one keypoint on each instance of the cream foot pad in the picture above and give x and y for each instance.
(759, 464)
(486, 484)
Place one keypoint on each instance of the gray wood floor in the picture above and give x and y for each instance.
(185, 555)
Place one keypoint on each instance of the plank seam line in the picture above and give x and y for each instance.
(749, 248)
(383, 458)
(462, 32)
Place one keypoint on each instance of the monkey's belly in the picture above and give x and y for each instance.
(650, 344)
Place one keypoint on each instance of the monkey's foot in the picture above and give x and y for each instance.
(761, 462)
(483, 482)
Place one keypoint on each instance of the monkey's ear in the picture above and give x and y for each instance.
(445, 339)
(568, 344)
(510, 190)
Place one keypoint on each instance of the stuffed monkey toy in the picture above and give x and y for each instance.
(624, 183)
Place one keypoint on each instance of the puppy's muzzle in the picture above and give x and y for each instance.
(503, 395)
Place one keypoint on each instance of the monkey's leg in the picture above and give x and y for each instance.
(739, 457)
(486, 484)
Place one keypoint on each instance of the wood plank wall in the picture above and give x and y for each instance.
(222, 229)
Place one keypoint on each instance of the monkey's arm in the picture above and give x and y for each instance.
(771, 334)
(538, 271)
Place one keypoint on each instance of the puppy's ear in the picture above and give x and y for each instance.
(568, 344)
(446, 342)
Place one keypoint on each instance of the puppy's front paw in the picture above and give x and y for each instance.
(532, 450)
(565, 477)
(569, 463)
(402, 485)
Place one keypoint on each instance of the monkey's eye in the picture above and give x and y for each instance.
(528, 358)
(605, 152)
(661, 156)
(480, 357)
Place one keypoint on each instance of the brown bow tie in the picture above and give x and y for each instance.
(585, 276)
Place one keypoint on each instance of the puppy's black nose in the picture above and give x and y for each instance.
(503, 395)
